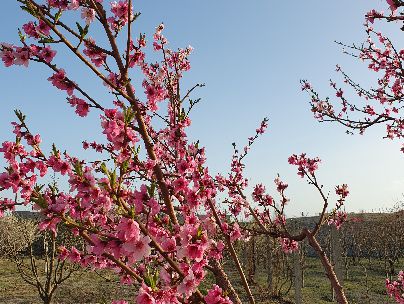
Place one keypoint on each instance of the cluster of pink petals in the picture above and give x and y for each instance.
(60, 81)
(67, 4)
(88, 14)
(36, 31)
(261, 197)
(305, 165)
(288, 245)
(82, 107)
(215, 296)
(342, 190)
(12, 55)
(338, 219)
(393, 5)
(395, 289)
(113, 125)
(96, 55)
(120, 10)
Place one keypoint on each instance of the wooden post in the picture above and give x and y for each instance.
(269, 264)
(336, 255)
(297, 275)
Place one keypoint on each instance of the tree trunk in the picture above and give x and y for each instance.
(339, 292)
(222, 280)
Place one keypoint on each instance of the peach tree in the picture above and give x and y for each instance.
(148, 207)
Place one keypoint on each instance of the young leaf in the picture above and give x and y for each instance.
(57, 16)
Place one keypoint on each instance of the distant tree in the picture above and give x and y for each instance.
(34, 254)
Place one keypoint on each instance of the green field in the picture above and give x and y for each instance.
(90, 287)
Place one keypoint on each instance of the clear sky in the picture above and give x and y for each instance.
(251, 55)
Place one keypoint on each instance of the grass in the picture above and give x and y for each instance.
(82, 287)
(88, 287)
(361, 287)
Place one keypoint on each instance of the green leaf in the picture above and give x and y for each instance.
(58, 15)
(79, 28)
(85, 31)
(38, 188)
(128, 115)
(55, 151)
(124, 166)
(199, 233)
(54, 189)
(47, 40)
(151, 279)
(20, 116)
(112, 179)
(78, 169)
(135, 16)
(104, 168)
(151, 189)
(38, 198)
(21, 35)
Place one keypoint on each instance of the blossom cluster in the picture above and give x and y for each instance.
(395, 288)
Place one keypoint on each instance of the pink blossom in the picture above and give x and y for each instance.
(49, 224)
(338, 219)
(128, 229)
(180, 184)
(395, 289)
(74, 4)
(392, 4)
(288, 245)
(138, 248)
(95, 54)
(43, 28)
(74, 255)
(8, 57)
(305, 164)
(30, 29)
(194, 252)
(88, 14)
(188, 285)
(63, 252)
(60, 81)
(82, 107)
(235, 233)
(47, 54)
(215, 296)
(144, 296)
(58, 165)
(342, 190)
(22, 56)
(61, 4)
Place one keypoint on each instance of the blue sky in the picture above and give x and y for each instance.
(251, 55)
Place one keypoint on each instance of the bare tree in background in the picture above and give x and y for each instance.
(35, 255)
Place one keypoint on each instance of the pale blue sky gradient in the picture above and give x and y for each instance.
(251, 55)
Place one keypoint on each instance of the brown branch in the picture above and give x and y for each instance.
(339, 292)
(73, 49)
(233, 254)
(139, 117)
